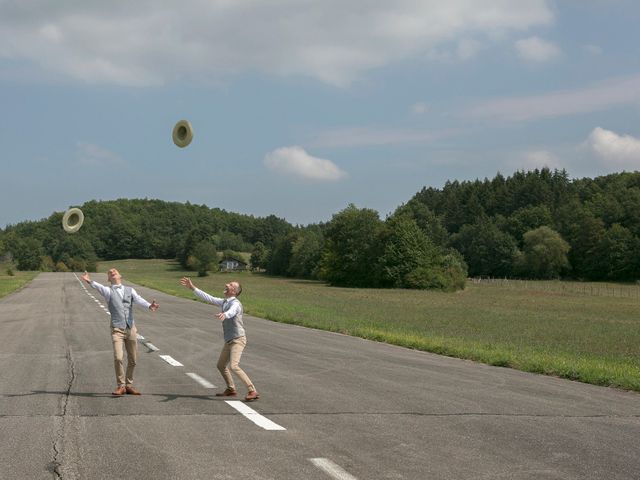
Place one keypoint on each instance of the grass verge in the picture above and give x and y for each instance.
(11, 283)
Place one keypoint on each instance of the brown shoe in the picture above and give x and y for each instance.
(252, 395)
(132, 391)
(119, 391)
(229, 392)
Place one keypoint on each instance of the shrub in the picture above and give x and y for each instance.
(47, 264)
(449, 275)
(61, 267)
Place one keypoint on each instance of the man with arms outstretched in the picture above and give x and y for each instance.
(235, 339)
(120, 300)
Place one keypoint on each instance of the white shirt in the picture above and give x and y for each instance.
(106, 293)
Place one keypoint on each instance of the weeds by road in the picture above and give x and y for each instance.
(12, 279)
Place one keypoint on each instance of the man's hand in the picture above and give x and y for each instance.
(154, 306)
(85, 277)
(186, 281)
(220, 316)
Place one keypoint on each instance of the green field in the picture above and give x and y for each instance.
(10, 283)
(557, 331)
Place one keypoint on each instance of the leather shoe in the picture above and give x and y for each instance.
(229, 392)
(252, 395)
(132, 391)
(119, 391)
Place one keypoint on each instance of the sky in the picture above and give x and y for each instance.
(302, 107)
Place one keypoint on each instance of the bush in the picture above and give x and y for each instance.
(10, 271)
(61, 267)
(47, 264)
(448, 275)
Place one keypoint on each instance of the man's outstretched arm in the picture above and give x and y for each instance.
(104, 291)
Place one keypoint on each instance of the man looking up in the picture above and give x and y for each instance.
(120, 300)
(235, 339)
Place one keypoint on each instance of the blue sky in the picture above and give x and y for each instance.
(302, 107)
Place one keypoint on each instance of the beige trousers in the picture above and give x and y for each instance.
(124, 340)
(229, 361)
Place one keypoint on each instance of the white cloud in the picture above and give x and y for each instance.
(95, 155)
(468, 48)
(335, 41)
(297, 162)
(419, 108)
(534, 49)
(612, 93)
(614, 149)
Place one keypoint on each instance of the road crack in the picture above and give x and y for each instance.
(56, 465)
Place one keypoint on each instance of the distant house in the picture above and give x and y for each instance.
(230, 264)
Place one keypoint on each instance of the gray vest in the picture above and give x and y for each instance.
(121, 309)
(232, 327)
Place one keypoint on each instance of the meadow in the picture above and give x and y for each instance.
(10, 283)
(555, 331)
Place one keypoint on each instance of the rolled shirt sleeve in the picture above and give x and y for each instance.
(104, 291)
(138, 300)
(208, 298)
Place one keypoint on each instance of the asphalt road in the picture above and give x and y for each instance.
(338, 407)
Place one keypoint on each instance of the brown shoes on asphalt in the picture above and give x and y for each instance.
(251, 396)
(230, 392)
(128, 390)
(119, 391)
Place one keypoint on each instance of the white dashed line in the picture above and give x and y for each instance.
(201, 381)
(170, 360)
(153, 348)
(331, 469)
(254, 416)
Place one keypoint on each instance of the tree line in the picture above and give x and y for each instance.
(540, 224)
(533, 224)
(138, 228)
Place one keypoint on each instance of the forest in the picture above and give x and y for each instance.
(537, 224)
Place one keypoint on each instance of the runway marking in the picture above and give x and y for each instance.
(171, 361)
(146, 343)
(331, 469)
(254, 416)
(201, 381)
